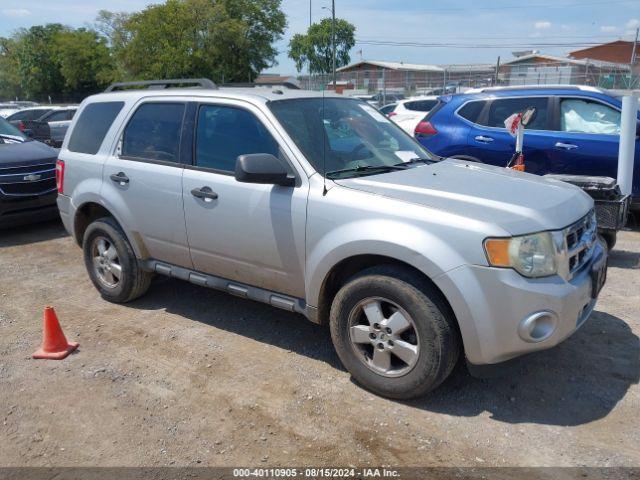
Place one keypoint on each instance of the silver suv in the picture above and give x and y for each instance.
(320, 205)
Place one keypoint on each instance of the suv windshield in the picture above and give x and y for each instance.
(345, 137)
(8, 130)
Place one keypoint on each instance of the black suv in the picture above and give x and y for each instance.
(27, 178)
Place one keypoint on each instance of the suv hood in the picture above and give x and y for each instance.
(26, 153)
(518, 202)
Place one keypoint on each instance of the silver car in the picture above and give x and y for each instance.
(320, 205)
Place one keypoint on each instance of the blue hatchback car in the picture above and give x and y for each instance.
(576, 130)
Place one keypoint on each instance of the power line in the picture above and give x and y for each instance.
(474, 45)
(521, 6)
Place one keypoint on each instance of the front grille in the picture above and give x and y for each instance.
(28, 180)
(581, 239)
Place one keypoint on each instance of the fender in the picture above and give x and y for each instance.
(400, 241)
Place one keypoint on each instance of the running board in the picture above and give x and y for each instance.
(274, 299)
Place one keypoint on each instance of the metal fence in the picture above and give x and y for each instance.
(458, 78)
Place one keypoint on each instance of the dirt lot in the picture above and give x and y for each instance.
(189, 376)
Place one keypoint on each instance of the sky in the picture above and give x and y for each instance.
(455, 31)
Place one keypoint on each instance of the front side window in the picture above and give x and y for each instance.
(586, 116)
(387, 109)
(92, 126)
(153, 132)
(58, 116)
(503, 108)
(340, 134)
(224, 133)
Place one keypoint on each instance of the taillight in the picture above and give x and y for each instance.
(60, 175)
(425, 129)
(391, 114)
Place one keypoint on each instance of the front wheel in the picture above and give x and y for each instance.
(111, 262)
(394, 332)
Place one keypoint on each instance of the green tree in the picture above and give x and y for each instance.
(38, 61)
(315, 47)
(84, 60)
(227, 40)
(9, 76)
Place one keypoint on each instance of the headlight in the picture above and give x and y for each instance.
(530, 255)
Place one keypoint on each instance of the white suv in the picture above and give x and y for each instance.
(320, 205)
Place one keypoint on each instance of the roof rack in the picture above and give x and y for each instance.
(534, 87)
(162, 84)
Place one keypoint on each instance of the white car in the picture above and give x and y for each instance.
(409, 112)
(7, 109)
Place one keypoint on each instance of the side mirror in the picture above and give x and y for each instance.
(528, 116)
(262, 168)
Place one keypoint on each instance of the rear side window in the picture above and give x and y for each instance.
(92, 125)
(421, 105)
(471, 111)
(153, 133)
(28, 115)
(503, 108)
(224, 133)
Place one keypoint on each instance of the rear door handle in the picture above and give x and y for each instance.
(205, 193)
(566, 146)
(483, 139)
(120, 178)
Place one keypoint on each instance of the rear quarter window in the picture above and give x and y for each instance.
(471, 111)
(92, 125)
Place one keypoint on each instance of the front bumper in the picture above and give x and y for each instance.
(15, 211)
(493, 306)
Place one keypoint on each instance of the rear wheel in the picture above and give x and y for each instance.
(394, 332)
(111, 262)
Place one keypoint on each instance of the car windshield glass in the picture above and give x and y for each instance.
(341, 137)
(7, 129)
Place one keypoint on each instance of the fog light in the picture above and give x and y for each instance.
(538, 326)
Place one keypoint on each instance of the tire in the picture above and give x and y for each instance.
(133, 282)
(433, 332)
(610, 238)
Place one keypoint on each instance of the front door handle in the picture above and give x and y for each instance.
(566, 146)
(483, 139)
(204, 193)
(120, 178)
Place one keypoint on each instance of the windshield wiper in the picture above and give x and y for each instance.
(414, 161)
(365, 169)
(15, 138)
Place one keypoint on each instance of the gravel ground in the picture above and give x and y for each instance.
(187, 376)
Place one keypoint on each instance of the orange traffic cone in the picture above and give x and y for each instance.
(54, 344)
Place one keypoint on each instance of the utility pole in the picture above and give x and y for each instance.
(333, 40)
(310, 22)
(495, 80)
(633, 59)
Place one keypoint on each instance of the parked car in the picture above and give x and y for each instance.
(576, 130)
(409, 112)
(318, 204)
(46, 124)
(29, 113)
(7, 109)
(27, 178)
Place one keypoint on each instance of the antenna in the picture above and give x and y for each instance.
(324, 149)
